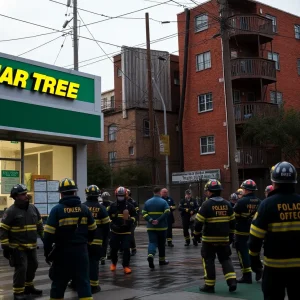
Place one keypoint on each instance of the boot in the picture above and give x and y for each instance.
(127, 270)
(133, 252)
(246, 278)
(31, 290)
(151, 262)
(195, 243)
(258, 275)
(19, 297)
(113, 267)
(232, 288)
(170, 244)
(164, 263)
(187, 243)
(95, 289)
(207, 289)
(232, 284)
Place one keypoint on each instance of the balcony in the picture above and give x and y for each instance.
(259, 68)
(107, 105)
(248, 158)
(245, 26)
(245, 111)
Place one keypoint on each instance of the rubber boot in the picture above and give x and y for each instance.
(207, 289)
(246, 278)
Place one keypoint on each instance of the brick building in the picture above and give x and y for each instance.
(265, 72)
(127, 128)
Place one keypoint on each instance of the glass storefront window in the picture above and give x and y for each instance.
(10, 149)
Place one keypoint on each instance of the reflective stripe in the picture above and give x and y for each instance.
(132, 218)
(146, 215)
(136, 208)
(18, 290)
(94, 282)
(247, 270)
(232, 217)
(209, 282)
(217, 219)
(200, 218)
(23, 228)
(72, 221)
(105, 220)
(56, 298)
(29, 283)
(196, 233)
(97, 242)
(253, 253)
(241, 233)
(40, 221)
(167, 210)
(50, 229)
(29, 246)
(161, 258)
(4, 241)
(282, 263)
(158, 229)
(156, 212)
(86, 298)
(98, 222)
(120, 215)
(232, 231)
(231, 275)
(92, 226)
(215, 239)
(284, 226)
(6, 227)
(257, 232)
(121, 232)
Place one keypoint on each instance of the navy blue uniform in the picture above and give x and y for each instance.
(245, 210)
(71, 253)
(171, 219)
(136, 207)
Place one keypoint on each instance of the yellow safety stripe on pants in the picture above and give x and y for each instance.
(215, 239)
(72, 221)
(282, 263)
(284, 226)
(4, 226)
(29, 283)
(50, 229)
(240, 259)
(253, 253)
(161, 258)
(200, 218)
(23, 228)
(187, 238)
(86, 298)
(231, 275)
(94, 282)
(241, 233)
(257, 232)
(4, 241)
(97, 242)
(204, 268)
(56, 298)
(169, 240)
(121, 232)
(209, 282)
(217, 219)
(18, 290)
(22, 246)
(158, 229)
(92, 226)
(145, 215)
(150, 255)
(247, 270)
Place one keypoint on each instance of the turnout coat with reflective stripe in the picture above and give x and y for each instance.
(20, 227)
(277, 223)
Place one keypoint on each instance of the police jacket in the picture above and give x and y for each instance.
(245, 210)
(158, 209)
(216, 218)
(186, 206)
(101, 217)
(63, 227)
(20, 227)
(172, 206)
(118, 224)
(277, 222)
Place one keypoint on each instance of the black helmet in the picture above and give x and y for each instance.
(213, 185)
(92, 190)
(129, 192)
(249, 185)
(188, 192)
(284, 172)
(67, 185)
(18, 189)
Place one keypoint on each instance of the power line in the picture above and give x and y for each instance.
(62, 45)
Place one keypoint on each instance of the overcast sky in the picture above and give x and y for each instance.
(116, 31)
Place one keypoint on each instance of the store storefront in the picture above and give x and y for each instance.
(48, 115)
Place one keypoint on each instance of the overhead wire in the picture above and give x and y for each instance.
(61, 47)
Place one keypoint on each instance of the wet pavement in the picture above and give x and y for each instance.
(163, 283)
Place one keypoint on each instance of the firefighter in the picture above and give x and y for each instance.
(188, 207)
(105, 199)
(122, 215)
(239, 193)
(216, 218)
(156, 212)
(136, 206)
(276, 224)
(268, 190)
(70, 227)
(171, 220)
(245, 210)
(233, 199)
(20, 226)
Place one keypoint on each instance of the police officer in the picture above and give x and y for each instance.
(276, 224)
(101, 217)
(122, 215)
(20, 226)
(188, 207)
(216, 217)
(245, 210)
(70, 227)
(136, 206)
(268, 190)
(171, 220)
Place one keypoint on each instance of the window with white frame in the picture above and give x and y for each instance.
(112, 132)
(207, 145)
(297, 32)
(205, 102)
(146, 127)
(201, 22)
(203, 61)
(298, 65)
(274, 56)
(276, 97)
(131, 150)
(112, 156)
(274, 22)
(119, 72)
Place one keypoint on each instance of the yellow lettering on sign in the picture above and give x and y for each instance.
(73, 90)
(49, 85)
(38, 80)
(21, 78)
(61, 88)
(7, 76)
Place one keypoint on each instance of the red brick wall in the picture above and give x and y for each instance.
(117, 83)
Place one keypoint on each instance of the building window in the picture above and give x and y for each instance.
(201, 22)
(251, 97)
(274, 22)
(298, 63)
(203, 61)
(112, 133)
(276, 97)
(119, 72)
(205, 102)
(297, 32)
(176, 78)
(236, 96)
(207, 145)
(234, 54)
(274, 56)
(112, 158)
(131, 150)
(146, 128)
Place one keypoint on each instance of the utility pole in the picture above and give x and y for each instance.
(224, 10)
(150, 102)
(75, 34)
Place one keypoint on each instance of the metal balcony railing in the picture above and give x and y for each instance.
(107, 105)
